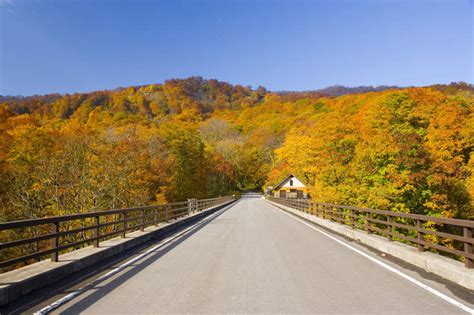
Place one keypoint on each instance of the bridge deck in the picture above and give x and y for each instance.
(255, 258)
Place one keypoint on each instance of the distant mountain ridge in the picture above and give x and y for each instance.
(338, 90)
(46, 97)
(333, 90)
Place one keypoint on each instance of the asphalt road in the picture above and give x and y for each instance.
(254, 258)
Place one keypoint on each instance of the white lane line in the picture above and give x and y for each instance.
(384, 265)
(70, 296)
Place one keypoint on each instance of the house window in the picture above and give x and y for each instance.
(291, 182)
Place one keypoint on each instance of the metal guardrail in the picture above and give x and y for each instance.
(395, 225)
(72, 231)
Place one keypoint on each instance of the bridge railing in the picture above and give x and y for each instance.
(202, 204)
(37, 238)
(451, 236)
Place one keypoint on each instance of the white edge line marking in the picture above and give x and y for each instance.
(70, 296)
(384, 265)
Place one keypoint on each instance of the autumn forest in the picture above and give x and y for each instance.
(399, 149)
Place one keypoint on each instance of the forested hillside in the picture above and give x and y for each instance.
(399, 149)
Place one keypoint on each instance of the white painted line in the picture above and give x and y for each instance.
(386, 266)
(70, 296)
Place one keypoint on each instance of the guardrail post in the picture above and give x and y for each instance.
(469, 263)
(155, 215)
(195, 204)
(351, 213)
(55, 242)
(367, 222)
(142, 221)
(419, 234)
(389, 227)
(95, 232)
(124, 225)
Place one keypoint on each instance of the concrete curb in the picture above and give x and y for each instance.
(444, 267)
(20, 282)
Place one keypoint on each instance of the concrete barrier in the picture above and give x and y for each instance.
(22, 281)
(444, 267)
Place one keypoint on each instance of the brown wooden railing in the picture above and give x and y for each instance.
(37, 238)
(418, 230)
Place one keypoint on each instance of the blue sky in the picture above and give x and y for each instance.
(76, 46)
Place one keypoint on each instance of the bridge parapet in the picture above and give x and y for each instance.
(455, 234)
(73, 231)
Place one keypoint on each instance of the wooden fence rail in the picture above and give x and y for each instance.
(418, 230)
(61, 232)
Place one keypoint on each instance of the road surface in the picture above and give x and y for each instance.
(255, 258)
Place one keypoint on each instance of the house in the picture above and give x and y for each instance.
(291, 188)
